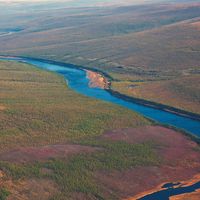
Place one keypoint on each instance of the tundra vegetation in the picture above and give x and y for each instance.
(39, 109)
(146, 48)
(52, 143)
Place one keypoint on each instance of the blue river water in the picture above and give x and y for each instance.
(171, 191)
(77, 80)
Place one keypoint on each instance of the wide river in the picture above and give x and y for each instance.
(77, 80)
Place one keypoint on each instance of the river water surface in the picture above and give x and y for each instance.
(77, 80)
(171, 191)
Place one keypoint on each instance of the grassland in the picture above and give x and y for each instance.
(3, 194)
(146, 43)
(182, 92)
(37, 110)
(40, 102)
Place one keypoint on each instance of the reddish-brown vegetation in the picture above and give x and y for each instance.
(31, 154)
(179, 160)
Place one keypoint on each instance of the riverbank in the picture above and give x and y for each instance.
(156, 105)
(183, 184)
(104, 82)
(191, 196)
(108, 82)
(77, 79)
(97, 80)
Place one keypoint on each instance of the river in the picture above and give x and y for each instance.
(77, 80)
(171, 191)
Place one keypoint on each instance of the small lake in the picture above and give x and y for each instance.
(77, 80)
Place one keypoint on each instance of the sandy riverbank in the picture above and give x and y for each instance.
(192, 196)
(96, 80)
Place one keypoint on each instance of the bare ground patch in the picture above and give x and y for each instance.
(96, 80)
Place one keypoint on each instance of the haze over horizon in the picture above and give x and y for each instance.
(81, 2)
